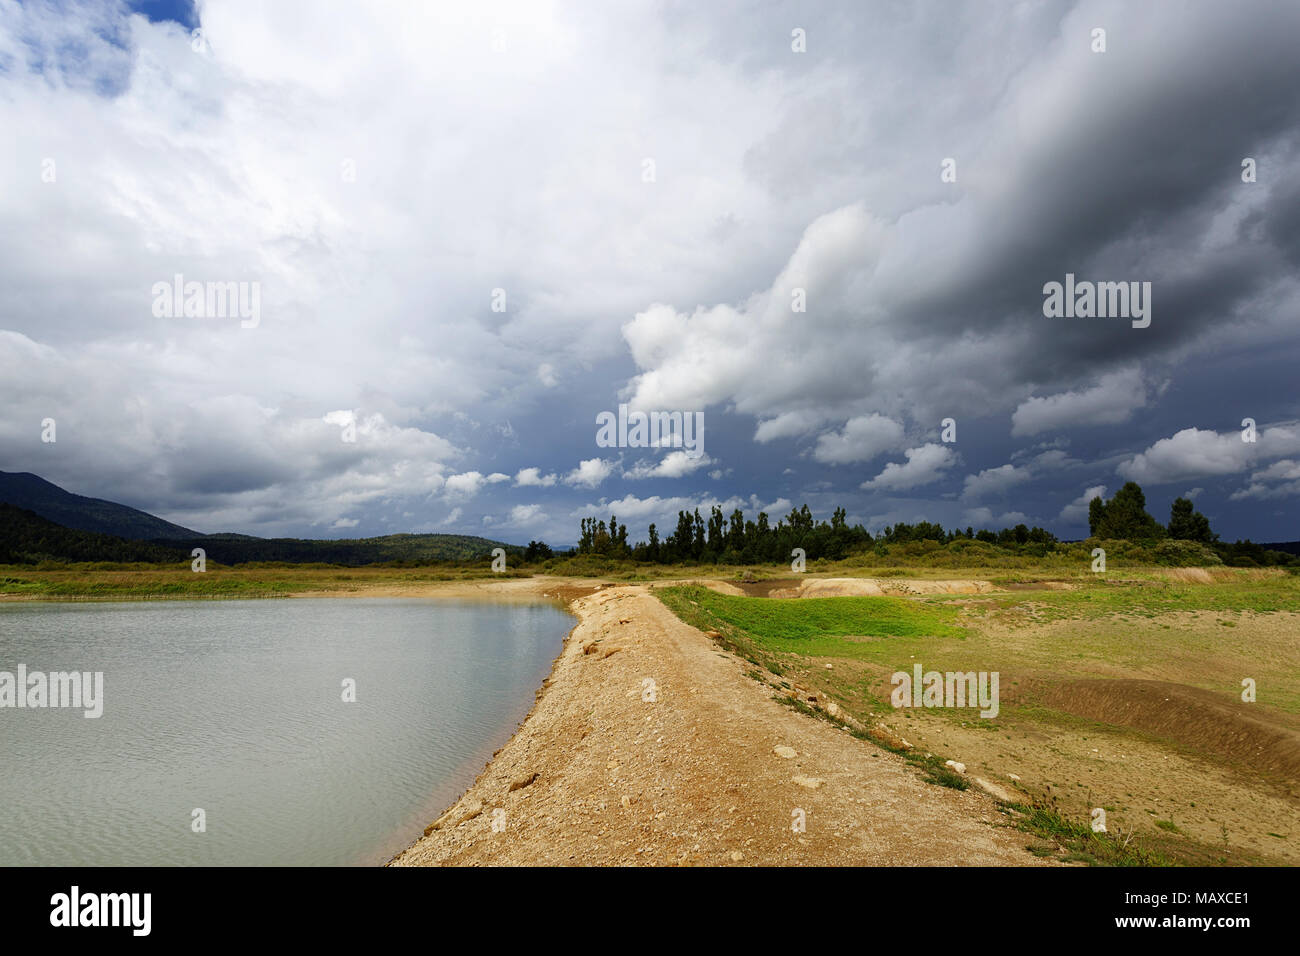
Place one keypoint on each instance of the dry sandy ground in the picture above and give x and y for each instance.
(1138, 780)
(1146, 743)
(875, 587)
(649, 745)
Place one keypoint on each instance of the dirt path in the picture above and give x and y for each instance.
(610, 770)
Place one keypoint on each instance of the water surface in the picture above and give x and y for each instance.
(235, 707)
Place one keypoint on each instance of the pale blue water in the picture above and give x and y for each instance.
(236, 707)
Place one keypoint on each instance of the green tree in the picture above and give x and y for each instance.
(1188, 524)
(1096, 511)
(1124, 516)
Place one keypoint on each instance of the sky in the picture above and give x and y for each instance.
(465, 230)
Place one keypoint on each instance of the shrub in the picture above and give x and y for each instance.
(1179, 553)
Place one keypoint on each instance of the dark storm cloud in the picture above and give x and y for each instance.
(522, 171)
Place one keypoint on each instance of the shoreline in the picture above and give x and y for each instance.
(552, 595)
(513, 589)
(649, 745)
(569, 605)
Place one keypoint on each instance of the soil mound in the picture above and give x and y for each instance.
(1206, 722)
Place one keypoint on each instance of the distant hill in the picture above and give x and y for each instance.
(413, 548)
(75, 528)
(35, 494)
(27, 538)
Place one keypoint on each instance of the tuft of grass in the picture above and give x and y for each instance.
(934, 771)
(1078, 841)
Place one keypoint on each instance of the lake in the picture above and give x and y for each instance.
(237, 709)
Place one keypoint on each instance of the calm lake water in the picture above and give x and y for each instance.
(236, 707)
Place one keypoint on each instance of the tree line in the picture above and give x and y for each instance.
(734, 539)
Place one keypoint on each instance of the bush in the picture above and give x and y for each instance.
(1179, 553)
(972, 547)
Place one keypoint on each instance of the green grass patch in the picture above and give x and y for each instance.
(814, 627)
(766, 632)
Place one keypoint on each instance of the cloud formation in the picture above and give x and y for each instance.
(459, 255)
(924, 465)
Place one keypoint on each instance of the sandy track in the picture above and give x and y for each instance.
(601, 776)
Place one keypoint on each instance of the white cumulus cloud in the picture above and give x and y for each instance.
(862, 439)
(924, 465)
(1076, 512)
(589, 473)
(533, 478)
(673, 465)
(994, 481)
(1112, 401)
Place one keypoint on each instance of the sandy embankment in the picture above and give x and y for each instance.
(649, 745)
(874, 587)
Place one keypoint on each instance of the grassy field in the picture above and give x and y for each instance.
(1122, 693)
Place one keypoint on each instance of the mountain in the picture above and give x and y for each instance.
(27, 538)
(407, 548)
(42, 520)
(35, 494)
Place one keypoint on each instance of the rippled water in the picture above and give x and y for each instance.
(235, 707)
